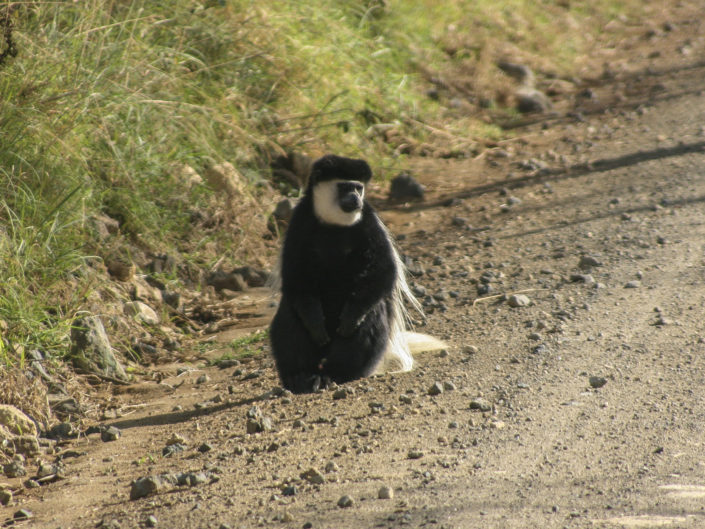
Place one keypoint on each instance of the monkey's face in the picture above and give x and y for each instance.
(339, 202)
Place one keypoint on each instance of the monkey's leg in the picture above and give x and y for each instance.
(296, 355)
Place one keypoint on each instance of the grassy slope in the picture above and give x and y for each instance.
(106, 98)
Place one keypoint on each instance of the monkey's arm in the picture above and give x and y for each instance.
(310, 311)
(297, 279)
(375, 281)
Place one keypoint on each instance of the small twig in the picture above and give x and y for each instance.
(497, 296)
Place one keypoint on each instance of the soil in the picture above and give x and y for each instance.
(591, 398)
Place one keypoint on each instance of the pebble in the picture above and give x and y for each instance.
(202, 379)
(414, 454)
(151, 521)
(406, 399)
(470, 349)
(535, 337)
(145, 486)
(480, 404)
(597, 382)
(313, 475)
(449, 386)
(345, 501)
(205, 447)
(435, 389)
(5, 497)
(588, 279)
(518, 300)
(109, 434)
(385, 492)
(588, 261)
(633, 284)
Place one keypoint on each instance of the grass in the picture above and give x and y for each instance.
(106, 102)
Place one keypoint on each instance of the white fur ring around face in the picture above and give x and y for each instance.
(327, 207)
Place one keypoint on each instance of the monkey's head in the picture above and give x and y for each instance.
(337, 187)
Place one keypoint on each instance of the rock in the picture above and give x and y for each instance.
(23, 514)
(110, 433)
(27, 445)
(406, 399)
(293, 167)
(105, 226)
(518, 300)
(532, 100)
(225, 178)
(14, 469)
(220, 280)
(281, 215)
(121, 269)
(435, 389)
(252, 276)
(5, 497)
(480, 404)
(313, 475)
(145, 486)
(331, 466)
(172, 449)
(582, 278)
(633, 284)
(290, 490)
(405, 187)
(597, 382)
(141, 312)
(16, 422)
(414, 454)
(205, 447)
(345, 501)
(63, 430)
(588, 261)
(257, 422)
(385, 493)
(91, 351)
(151, 521)
(449, 386)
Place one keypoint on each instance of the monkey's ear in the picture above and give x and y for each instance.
(333, 167)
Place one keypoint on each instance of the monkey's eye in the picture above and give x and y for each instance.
(349, 187)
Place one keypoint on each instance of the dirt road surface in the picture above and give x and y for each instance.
(584, 408)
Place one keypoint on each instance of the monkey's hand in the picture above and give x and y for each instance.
(349, 321)
(319, 335)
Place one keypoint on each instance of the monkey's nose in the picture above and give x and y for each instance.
(350, 203)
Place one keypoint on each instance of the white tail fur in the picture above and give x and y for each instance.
(403, 344)
(399, 355)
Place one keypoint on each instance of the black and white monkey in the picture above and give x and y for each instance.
(341, 315)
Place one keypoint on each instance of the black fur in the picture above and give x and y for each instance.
(337, 282)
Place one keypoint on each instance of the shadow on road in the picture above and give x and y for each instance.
(549, 175)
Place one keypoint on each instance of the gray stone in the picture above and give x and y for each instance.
(147, 485)
(480, 404)
(345, 501)
(313, 475)
(405, 187)
(141, 312)
(385, 492)
(597, 382)
(518, 300)
(91, 351)
(110, 433)
(633, 284)
(435, 389)
(588, 261)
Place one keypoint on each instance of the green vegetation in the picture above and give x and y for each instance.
(105, 102)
